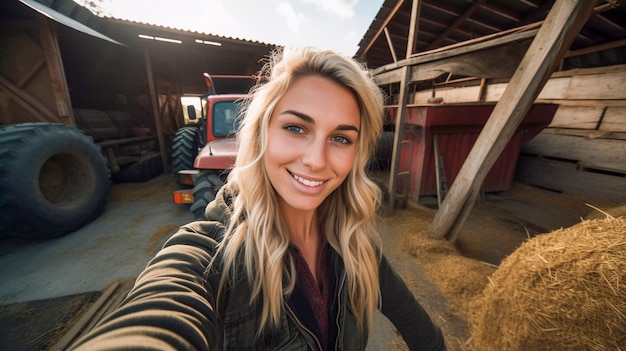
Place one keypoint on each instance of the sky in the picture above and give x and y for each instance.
(326, 24)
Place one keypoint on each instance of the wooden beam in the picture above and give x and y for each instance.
(413, 28)
(469, 46)
(78, 327)
(28, 76)
(390, 44)
(561, 26)
(382, 27)
(155, 108)
(28, 102)
(52, 53)
(597, 48)
(456, 24)
(397, 139)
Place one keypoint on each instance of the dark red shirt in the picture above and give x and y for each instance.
(317, 292)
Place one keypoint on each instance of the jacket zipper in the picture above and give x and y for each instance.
(339, 333)
(319, 345)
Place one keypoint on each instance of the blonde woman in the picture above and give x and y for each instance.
(289, 258)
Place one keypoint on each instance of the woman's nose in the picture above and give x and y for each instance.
(315, 154)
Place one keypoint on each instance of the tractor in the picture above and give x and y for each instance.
(203, 153)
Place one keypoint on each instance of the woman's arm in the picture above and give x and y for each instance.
(407, 315)
(169, 308)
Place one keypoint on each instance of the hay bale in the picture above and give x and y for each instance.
(565, 290)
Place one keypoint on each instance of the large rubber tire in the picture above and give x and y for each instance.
(381, 159)
(207, 185)
(53, 180)
(184, 149)
(148, 167)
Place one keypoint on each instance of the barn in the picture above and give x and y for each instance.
(481, 94)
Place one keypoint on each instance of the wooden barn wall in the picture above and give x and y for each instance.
(583, 150)
(26, 90)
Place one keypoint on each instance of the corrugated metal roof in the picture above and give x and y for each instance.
(184, 30)
(65, 20)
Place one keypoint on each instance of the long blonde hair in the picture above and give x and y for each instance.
(256, 233)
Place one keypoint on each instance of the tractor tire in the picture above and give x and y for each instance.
(53, 180)
(149, 166)
(381, 159)
(184, 149)
(208, 184)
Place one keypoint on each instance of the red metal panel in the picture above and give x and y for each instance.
(458, 127)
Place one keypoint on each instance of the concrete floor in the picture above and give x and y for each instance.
(115, 246)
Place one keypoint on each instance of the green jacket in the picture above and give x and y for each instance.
(173, 305)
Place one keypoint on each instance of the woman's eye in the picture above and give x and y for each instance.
(342, 140)
(294, 129)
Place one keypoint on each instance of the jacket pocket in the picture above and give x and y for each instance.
(240, 333)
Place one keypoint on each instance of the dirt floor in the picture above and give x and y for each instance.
(458, 272)
(444, 276)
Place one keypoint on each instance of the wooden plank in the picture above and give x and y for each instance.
(52, 53)
(492, 62)
(555, 88)
(388, 77)
(28, 76)
(397, 139)
(28, 102)
(459, 95)
(155, 108)
(454, 50)
(597, 48)
(65, 341)
(390, 45)
(589, 134)
(562, 177)
(598, 86)
(413, 28)
(592, 70)
(579, 117)
(614, 120)
(561, 26)
(606, 154)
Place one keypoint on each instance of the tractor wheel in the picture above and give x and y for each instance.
(208, 184)
(381, 158)
(53, 180)
(184, 149)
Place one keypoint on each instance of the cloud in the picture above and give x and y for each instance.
(294, 19)
(340, 8)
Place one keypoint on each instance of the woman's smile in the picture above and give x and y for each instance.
(307, 182)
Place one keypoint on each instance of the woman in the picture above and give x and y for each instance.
(290, 258)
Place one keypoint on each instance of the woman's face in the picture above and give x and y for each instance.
(312, 139)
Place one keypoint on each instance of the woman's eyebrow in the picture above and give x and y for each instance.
(300, 115)
(310, 119)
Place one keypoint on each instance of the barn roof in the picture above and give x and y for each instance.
(192, 52)
(447, 22)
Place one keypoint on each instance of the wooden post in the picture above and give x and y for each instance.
(390, 44)
(411, 43)
(52, 54)
(154, 95)
(563, 23)
(397, 139)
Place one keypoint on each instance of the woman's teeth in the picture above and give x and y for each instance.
(307, 182)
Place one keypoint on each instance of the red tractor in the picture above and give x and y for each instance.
(203, 153)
